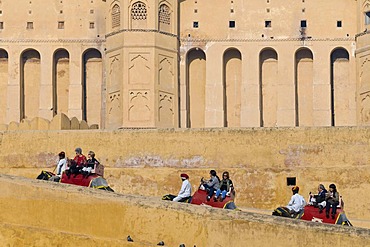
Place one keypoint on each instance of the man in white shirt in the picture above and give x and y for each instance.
(297, 202)
(185, 191)
(61, 167)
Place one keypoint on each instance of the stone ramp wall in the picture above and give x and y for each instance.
(58, 122)
(148, 162)
(20, 235)
(103, 216)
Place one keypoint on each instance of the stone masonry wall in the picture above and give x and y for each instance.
(148, 162)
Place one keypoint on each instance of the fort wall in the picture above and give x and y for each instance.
(96, 218)
(148, 162)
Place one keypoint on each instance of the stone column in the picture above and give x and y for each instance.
(13, 92)
(321, 86)
(75, 87)
(250, 108)
(46, 86)
(214, 115)
(285, 86)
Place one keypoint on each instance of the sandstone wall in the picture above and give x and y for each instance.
(148, 162)
(96, 218)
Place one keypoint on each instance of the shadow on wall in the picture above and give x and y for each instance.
(59, 122)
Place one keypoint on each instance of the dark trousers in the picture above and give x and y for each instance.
(211, 190)
(333, 205)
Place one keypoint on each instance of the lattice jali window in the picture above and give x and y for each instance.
(164, 14)
(116, 16)
(138, 11)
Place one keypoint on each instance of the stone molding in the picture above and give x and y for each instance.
(97, 41)
(189, 40)
(140, 30)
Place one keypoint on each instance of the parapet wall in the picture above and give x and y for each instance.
(90, 217)
(59, 122)
(148, 162)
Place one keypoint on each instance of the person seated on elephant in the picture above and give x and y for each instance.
(61, 167)
(212, 185)
(77, 163)
(90, 164)
(332, 201)
(226, 187)
(80, 159)
(185, 191)
(320, 197)
(297, 202)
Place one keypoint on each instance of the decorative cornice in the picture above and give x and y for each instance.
(140, 30)
(362, 34)
(191, 40)
(94, 41)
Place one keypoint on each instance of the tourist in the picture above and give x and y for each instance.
(226, 187)
(185, 191)
(332, 201)
(61, 167)
(297, 202)
(90, 163)
(212, 185)
(80, 159)
(320, 197)
(77, 163)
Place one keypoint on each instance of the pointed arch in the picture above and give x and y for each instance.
(303, 69)
(116, 16)
(30, 82)
(61, 81)
(164, 18)
(91, 85)
(268, 70)
(139, 15)
(196, 88)
(339, 81)
(232, 80)
(4, 77)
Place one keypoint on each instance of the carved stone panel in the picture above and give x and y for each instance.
(139, 69)
(114, 109)
(114, 74)
(139, 105)
(166, 72)
(166, 109)
(365, 108)
(365, 73)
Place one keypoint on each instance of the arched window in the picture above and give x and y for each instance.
(116, 16)
(164, 18)
(138, 11)
(164, 14)
(138, 15)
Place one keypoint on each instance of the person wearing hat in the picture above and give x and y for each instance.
(62, 164)
(332, 201)
(297, 202)
(185, 191)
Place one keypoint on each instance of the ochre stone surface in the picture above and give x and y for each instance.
(165, 64)
(148, 162)
(98, 218)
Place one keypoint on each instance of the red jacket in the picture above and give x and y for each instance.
(80, 160)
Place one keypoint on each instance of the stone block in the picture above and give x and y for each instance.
(13, 126)
(60, 122)
(3, 127)
(39, 124)
(24, 125)
(94, 126)
(84, 125)
(75, 124)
